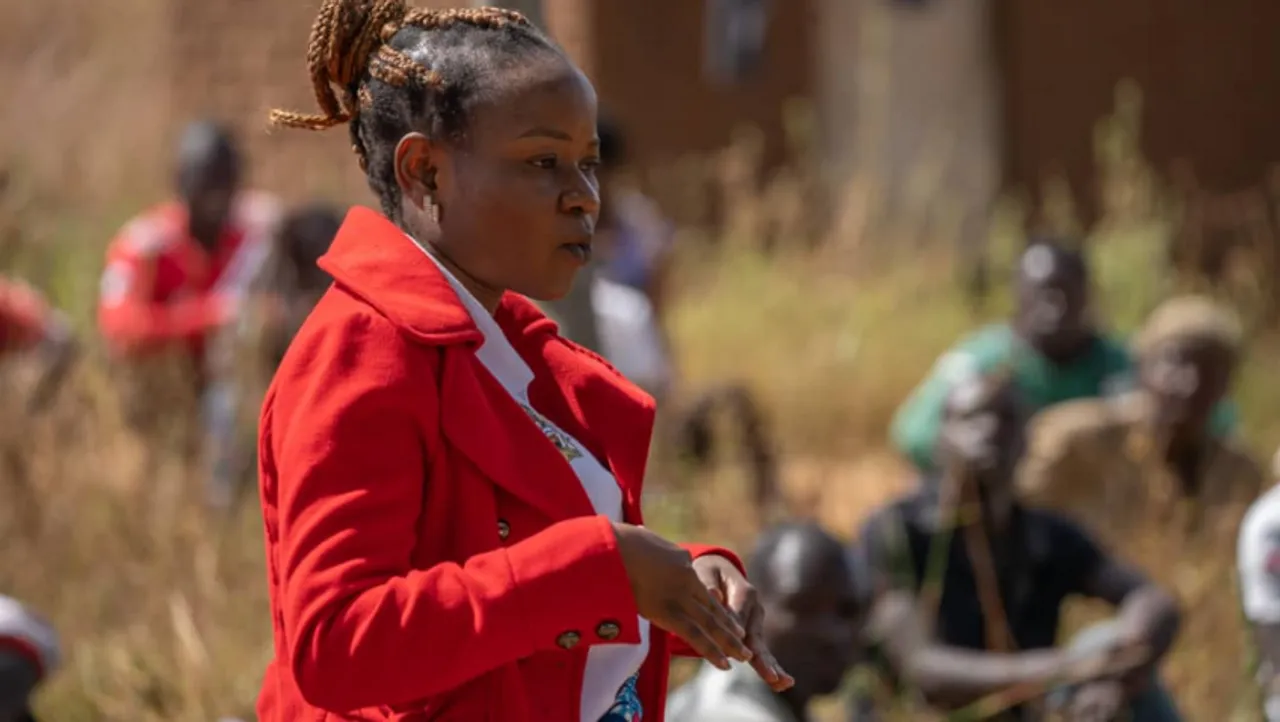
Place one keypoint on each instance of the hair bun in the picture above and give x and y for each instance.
(344, 38)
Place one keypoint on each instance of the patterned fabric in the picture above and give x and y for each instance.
(563, 443)
(627, 708)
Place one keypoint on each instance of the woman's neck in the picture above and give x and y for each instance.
(488, 296)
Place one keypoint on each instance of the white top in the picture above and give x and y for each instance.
(608, 685)
(738, 695)
(629, 335)
(1258, 557)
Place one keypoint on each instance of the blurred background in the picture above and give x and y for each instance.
(849, 180)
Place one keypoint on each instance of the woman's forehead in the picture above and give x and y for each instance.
(549, 97)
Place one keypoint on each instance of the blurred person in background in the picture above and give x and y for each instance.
(1053, 345)
(176, 277)
(1109, 460)
(37, 349)
(629, 291)
(1258, 567)
(972, 584)
(30, 327)
(1146, 474)
(29, 654)
(813, 613)
(305, 236)
(253, 347)
(451, 490)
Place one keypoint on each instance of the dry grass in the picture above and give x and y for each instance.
(163, 608)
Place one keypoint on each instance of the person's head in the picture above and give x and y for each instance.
(1052, 295)
(208, 176)
(812, 602)
(476, 132)
(983, 437)
(1187, 353)
(613, 147)
(305, 236)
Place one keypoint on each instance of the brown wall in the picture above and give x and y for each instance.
(1210, 72)
(647, 65)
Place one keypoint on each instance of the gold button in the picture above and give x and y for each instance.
(608, 631)
(504, 530)
(568, 640)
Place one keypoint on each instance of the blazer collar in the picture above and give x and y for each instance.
(373, 259)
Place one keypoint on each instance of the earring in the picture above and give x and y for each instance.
(434, 210)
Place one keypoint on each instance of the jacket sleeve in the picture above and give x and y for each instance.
(363, 626)
(131, 319)
(679, 647)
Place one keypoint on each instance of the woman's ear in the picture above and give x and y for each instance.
(415, 167)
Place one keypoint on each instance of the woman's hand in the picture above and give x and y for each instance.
(671, 596)
(727, 585)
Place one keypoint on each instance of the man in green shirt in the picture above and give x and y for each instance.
(1052, 348)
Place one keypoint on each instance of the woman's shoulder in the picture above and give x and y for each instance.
(346, 340)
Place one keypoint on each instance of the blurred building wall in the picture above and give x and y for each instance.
(909, 107)
(646, 59)
(1208, 71)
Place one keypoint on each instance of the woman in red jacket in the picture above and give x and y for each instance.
(451, 491)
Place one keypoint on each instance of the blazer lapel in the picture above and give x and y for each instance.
(613, 420)
(488, 427)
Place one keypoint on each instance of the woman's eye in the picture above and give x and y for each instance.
(591, 164)
(547, 163)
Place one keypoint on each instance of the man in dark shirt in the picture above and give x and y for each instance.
(972, 584)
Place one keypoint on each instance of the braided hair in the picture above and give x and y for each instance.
(388, 70)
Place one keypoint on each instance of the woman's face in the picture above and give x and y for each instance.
(518, 199)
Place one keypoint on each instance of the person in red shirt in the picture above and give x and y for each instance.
(450, 489)
(176, 278)
(28, 324)
(177, 273)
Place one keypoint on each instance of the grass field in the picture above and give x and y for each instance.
(163, 608)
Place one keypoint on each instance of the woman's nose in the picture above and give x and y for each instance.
(582, 196)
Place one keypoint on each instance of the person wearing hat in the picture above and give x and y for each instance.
(1146, 473)
(1053, 345)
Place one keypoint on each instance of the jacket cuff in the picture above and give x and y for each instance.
(572, 588)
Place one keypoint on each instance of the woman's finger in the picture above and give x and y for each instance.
(723, 616)
(688, 629)
(765, 664)
(720, 624)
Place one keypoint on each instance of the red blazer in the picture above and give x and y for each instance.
(429, 552)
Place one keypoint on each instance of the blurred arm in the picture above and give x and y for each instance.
(948, 677)
(916, 424)
(1146, 613)
(59, 351)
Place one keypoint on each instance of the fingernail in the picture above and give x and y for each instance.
(722, 663)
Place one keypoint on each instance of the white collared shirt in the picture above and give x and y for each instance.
(610, 667)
